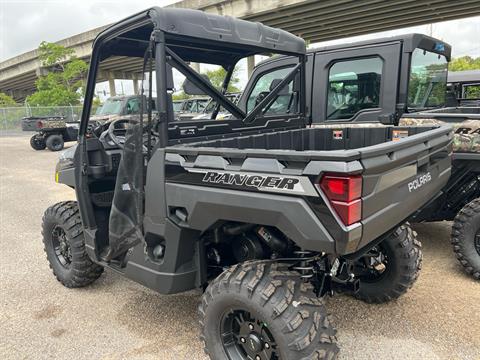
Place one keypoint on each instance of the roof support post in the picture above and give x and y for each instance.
(161, 79)
(250, 65)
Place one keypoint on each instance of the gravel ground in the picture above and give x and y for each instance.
(118, 319)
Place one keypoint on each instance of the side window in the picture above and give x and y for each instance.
(133, 106)
(471, 91)
(286, 99)
(353, 85)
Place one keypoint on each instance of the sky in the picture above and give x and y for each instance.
(25, 23)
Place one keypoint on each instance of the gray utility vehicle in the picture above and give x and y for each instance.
(465, 87)
(120, 107)
(192, 107)
(459, 200)
(52, 131)
(220, 113)
(263, 213)
(384, 82)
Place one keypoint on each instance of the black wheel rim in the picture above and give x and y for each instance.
(374, 265)
(56, 144)
(61, 246)
(38, 141)
(477, 242)
(246, 337)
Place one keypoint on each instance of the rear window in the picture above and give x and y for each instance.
(353, 85)
(284, 103)
(428, 80)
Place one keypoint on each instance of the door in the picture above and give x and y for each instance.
(356, 84)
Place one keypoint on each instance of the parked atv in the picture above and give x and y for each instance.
(264, 213)
(459, 200)
(52, 132)
(392, 81)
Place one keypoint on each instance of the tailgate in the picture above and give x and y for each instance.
(29, 124)
(400, 177)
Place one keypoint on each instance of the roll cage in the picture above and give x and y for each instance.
(172, 38)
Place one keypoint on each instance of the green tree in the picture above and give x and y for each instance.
(217, 76)
(467, 63)
(6, 100)
(464, 63)
(63, 85)
(179, 96)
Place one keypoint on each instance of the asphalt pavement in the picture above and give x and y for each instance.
(115, 318)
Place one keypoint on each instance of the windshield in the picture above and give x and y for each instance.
(428, 80)
(110, 107)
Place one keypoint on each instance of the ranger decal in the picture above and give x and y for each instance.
(295, 185)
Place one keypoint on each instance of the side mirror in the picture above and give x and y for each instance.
(190, 88)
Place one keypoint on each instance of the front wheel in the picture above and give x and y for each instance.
(55, 142)
(260, 310)
(64, 245)
(37, 142)
(389, 269)
(466, 238)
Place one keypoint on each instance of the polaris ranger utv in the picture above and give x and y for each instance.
(399, 81)
(264, 214)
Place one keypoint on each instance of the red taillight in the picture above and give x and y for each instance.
(39, 124)
(344, 193)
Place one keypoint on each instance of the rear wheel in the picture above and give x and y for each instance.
(466, 238)
(391, 268)
(55, 142)
(37, 142)
(64, 245)
(260, 310)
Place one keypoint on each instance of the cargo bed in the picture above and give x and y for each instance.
(401, 167)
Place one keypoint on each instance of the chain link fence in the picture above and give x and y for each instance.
(11, 117)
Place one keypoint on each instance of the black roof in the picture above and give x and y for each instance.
(219, 39)
(410, 43)
(466, 76)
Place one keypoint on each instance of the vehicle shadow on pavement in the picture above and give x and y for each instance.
(167, 323)
(425, 323)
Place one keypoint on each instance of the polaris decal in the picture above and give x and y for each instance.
(419, 182)
(295, 185)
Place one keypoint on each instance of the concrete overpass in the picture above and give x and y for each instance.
(314, 20)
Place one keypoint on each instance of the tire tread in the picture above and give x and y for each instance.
(83, 270)
(459, 238)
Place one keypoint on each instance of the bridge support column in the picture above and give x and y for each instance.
(111, 85)
(250, 65)
(195, 66)
(135, 84)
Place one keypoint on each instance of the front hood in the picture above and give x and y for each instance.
(68, 154)
(104, 117)
(65, 168)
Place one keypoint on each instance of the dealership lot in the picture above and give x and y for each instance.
(118, 319)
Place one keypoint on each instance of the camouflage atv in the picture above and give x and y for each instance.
(388, 82)
(52, 132)
(460, 199)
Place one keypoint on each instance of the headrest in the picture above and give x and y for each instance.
(190, 88)
(283, 91)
